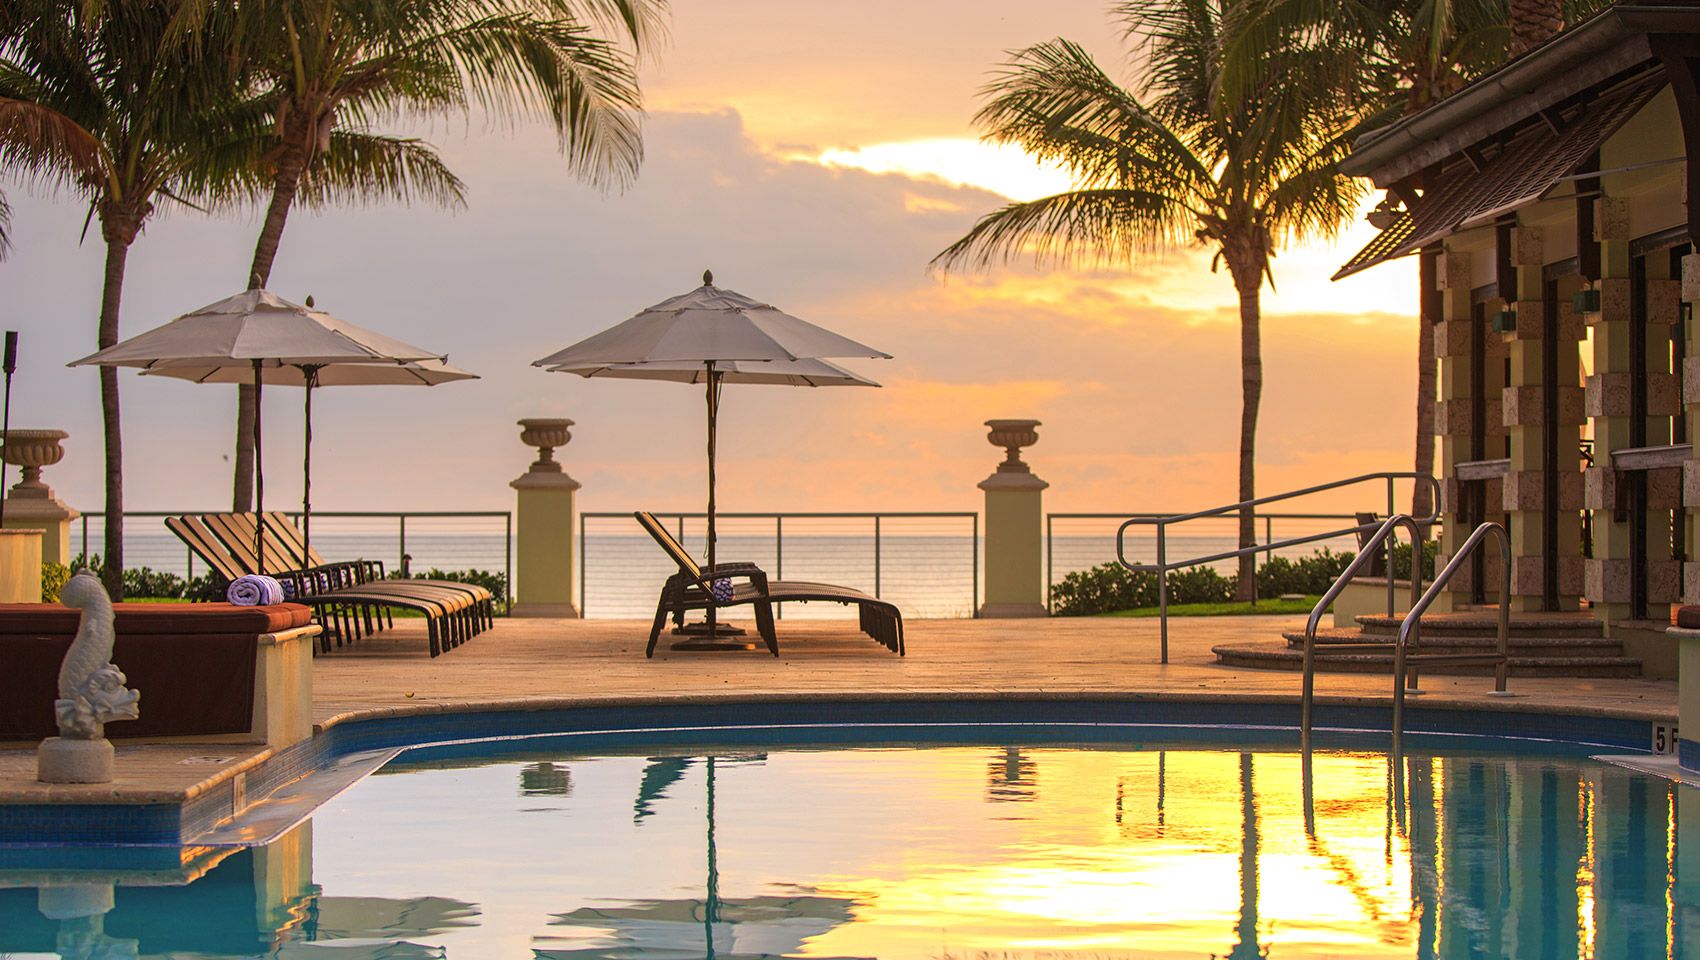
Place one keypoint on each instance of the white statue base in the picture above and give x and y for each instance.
(59, 760)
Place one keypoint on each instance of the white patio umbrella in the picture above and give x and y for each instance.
(256, 330)
(422, 373)
(714, 336)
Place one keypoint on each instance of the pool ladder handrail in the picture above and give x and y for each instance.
(1365, 556)
(1164, 565)
(1405, 669)
(1408, 628)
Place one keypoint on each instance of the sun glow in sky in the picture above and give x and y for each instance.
(813, 160)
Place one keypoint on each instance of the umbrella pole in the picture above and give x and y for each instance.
(713, 412)
(259, 478)
(310, 378)
(713, 634)
(711, 892)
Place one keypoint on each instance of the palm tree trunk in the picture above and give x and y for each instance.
(1422, 499)
(119, 228)
(286, 181)
(1532, 22)
(1248, 280)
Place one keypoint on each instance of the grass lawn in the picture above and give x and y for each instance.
(1223, 609)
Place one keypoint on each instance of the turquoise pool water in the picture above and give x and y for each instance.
(995, 849)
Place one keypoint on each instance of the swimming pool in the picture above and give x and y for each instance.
(998, 842)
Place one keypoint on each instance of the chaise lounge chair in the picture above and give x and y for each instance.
(691, 589)
(350, 597)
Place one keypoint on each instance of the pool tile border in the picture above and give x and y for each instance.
(154, 818)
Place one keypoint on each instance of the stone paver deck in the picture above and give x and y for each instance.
(582, 660)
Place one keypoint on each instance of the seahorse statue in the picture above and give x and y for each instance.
(91, 689)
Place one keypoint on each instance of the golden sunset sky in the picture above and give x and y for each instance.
(815, 157)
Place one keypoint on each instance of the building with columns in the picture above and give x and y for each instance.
(1548, 206)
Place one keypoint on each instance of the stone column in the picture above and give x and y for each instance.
(1457, 340)
(1608, 401)
(1015, 580)
(1526, 496)
(545, 531)
(30, 505)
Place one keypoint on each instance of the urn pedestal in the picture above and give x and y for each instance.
(546, 541)
(30, 504)
(1015, 585)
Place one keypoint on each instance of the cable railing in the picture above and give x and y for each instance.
(1164, 565)
(926, 562)
(454, 540)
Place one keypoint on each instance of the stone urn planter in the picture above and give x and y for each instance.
(32, 450)
(1013, 435)
(546, 435)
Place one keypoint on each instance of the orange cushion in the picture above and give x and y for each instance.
(157, 618)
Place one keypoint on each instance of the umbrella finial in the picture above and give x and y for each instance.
(309, 303)
(708, 278)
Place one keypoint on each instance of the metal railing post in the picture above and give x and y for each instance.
(1163, 587)
(876, 555)
(1050, 561)
(402, 523)
(974, 565)
(779, 559)
(508, 560)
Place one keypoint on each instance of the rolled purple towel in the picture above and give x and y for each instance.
(254, 590)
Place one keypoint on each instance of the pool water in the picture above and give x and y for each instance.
(962, 851)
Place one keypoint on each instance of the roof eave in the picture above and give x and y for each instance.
(1608, 44)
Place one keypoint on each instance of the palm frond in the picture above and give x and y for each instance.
(1082, 225)
(361, 168)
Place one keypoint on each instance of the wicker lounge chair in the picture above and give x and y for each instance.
(691, 589)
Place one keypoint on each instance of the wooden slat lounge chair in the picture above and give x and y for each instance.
(691, 589)
(350, 598)
(472, 606)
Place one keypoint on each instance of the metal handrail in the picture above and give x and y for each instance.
(1268, 520)
(1382, 534)
(1409, 628)
(1162, 566)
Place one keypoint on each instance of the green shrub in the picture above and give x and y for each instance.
(1307, 575)
(53, 577)
(1402, 560)
(1112, 587)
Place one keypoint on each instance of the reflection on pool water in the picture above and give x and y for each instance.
(952, 851)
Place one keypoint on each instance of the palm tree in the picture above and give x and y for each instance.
(330, 70)
(155, 108)
(1170, 165)
(1406, 55)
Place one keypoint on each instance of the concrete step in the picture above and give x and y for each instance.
(1521, 645)
(1269, 655)
(1485, 622)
